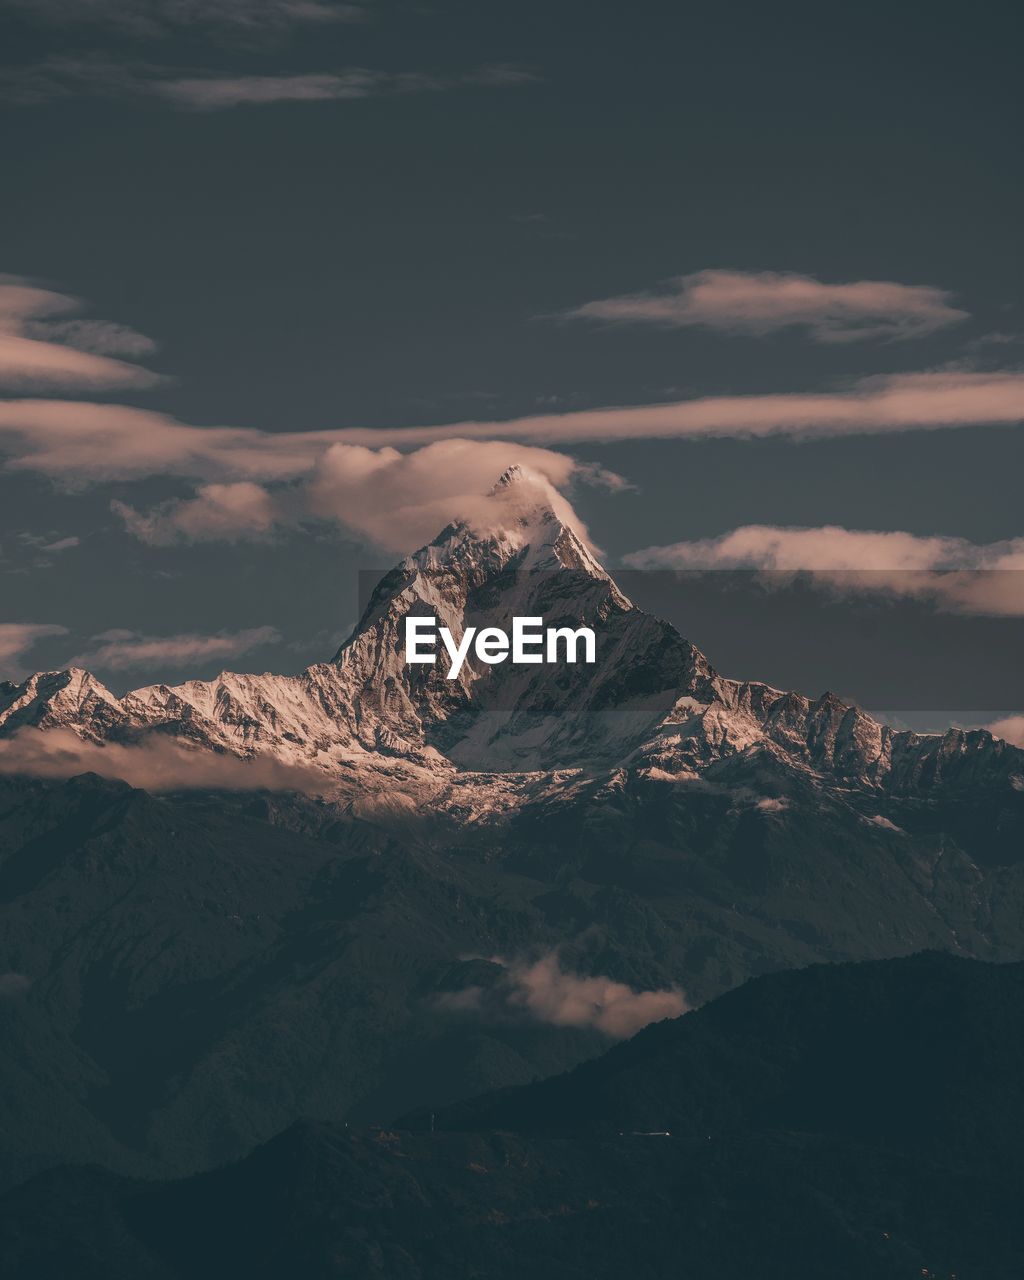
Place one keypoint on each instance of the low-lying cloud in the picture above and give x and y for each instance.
(550, 994)
(950, 573)
(155, 764)
(763, 302)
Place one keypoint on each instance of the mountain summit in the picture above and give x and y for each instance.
(652, 705)
(484, 861)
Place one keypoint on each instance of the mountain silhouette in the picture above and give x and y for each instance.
(849, 1121)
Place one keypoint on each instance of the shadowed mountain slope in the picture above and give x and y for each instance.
(880, 1157)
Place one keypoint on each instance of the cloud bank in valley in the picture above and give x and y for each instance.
(155, 764)
(951, 573)
(763, 302)
(547, 992)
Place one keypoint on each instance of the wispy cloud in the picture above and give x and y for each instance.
(82, 440)
(394, 500)
(951, 573)
(763, 302)
(204, 89)
(156, 18)
(120, 650)
(549, 993)
(17, 638)
(48, 543)
(218, 512)
(40, 352)
(158, 764)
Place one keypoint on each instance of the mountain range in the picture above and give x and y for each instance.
(367, 889)
(848, 1121)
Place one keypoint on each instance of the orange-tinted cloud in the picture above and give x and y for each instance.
(156, 764)
(951, 573)
(39, 352)
(762, 302)
(551, 994)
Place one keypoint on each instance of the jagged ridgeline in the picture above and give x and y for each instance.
(652, 703)
(367, 888)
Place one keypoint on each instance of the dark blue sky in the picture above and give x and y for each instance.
(400, 247)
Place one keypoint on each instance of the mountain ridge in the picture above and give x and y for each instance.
(899, 1159)
(335, 896)
(653, 704)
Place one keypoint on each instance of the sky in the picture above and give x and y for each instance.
(286, 282)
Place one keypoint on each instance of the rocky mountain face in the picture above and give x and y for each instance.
(652, 704)
(185, 971)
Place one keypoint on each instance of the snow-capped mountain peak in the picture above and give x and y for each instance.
(651, 704)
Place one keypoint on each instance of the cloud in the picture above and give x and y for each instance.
(13, 984)
(395, 500)
(77, 440)
(1010, 729)
(47, 543)
(218, 512)
(156, 764)
(207, 90)
(763, 302)
(951, 573)
(214, 93)
(401, 500)
(37, 352)
(568, 1000)
(155, 18)
(550, 994)
(120, 650)
(17, 638)
(100, 337)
